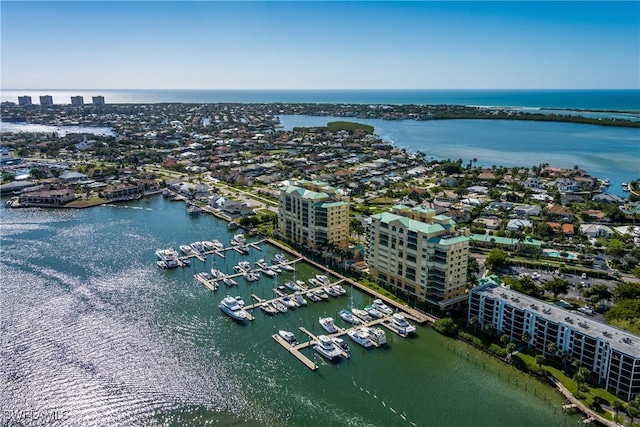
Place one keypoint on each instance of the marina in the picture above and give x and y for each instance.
(115, 309)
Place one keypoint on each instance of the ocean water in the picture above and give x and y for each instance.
(614, 100)
(93, 333)
(604, 152)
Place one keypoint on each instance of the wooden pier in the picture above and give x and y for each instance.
(210, 284)
(295, 351)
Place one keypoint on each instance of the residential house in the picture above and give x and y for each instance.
(596, 230)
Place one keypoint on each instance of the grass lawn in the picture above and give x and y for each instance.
(85, 203)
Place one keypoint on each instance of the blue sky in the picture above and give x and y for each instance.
(320, 45)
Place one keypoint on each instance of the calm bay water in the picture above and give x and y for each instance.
(93, 332)
(604, 152)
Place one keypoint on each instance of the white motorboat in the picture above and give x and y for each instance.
(261, 264)
(268, 308)
(300, 299)
(268, 272)
(288, 337)
(404, 327)
(169, 256)
(376, 335)
(303, 286)
(342, 344)
(359, 336)
(230, 306)
(292, 285)
(198, 247)
(373, 311)
(229, 281)
(217, 274)
(313, 297)
(382, 307)
(240, 301)
(279, 306)
(348, 317)
(314, 282)
(279, 258)
(322, 294)
(239, 239)
(217, 245)
(287, 267)
(327, 349)
(243, 248)
(329, 290)
(208, 246)
(363, 315)
(328, 325)
(161, 264)
(288, 302)
(187, 250)
(186, 261)
(251, 276)
(339, 289)
(323, 279)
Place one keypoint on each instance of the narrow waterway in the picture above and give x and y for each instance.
(94, 332)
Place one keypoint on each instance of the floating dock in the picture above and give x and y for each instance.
(295, 351)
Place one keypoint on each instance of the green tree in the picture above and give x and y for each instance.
(539, 360)
(496, 259)
(552, 349)
(473, 321)
(446, 326)
(598, 293)
(581, 377)
(526, 338)
(511, 347)
(616, 405)
(626, 290)
(504, 339)
(488, 327)
(557, 286)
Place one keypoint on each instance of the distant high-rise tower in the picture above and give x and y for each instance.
(46, 100)
(98, 100)
(77, 101)
(24, 100)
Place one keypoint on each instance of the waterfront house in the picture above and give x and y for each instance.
(123, 191)
(559, 212)
(53, 197)
(518, 224)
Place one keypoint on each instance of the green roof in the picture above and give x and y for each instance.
(333, 204)
(450, 241)
(504, 240)
(410, 224)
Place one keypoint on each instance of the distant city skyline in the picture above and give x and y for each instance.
(320, 45)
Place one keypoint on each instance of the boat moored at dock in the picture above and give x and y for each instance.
(382, 307)
(230, 306)
(360, 336)
(400, 322)
(327, 349)
(288, 336)
(328, 325)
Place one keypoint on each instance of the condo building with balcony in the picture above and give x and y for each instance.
(611, 354)
(419, 253)
(314, 215)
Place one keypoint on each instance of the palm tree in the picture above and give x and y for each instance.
(552, 348)
(526, 337)
(504, 339)
(511, 347)
(473, 321)
(581, 377)
(489, 328)
(539, 360)
(616, 405)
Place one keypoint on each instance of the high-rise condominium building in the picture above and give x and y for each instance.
(46, 100)
(419, 253)
(314, 215)
(24, 100)
(611, 354)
